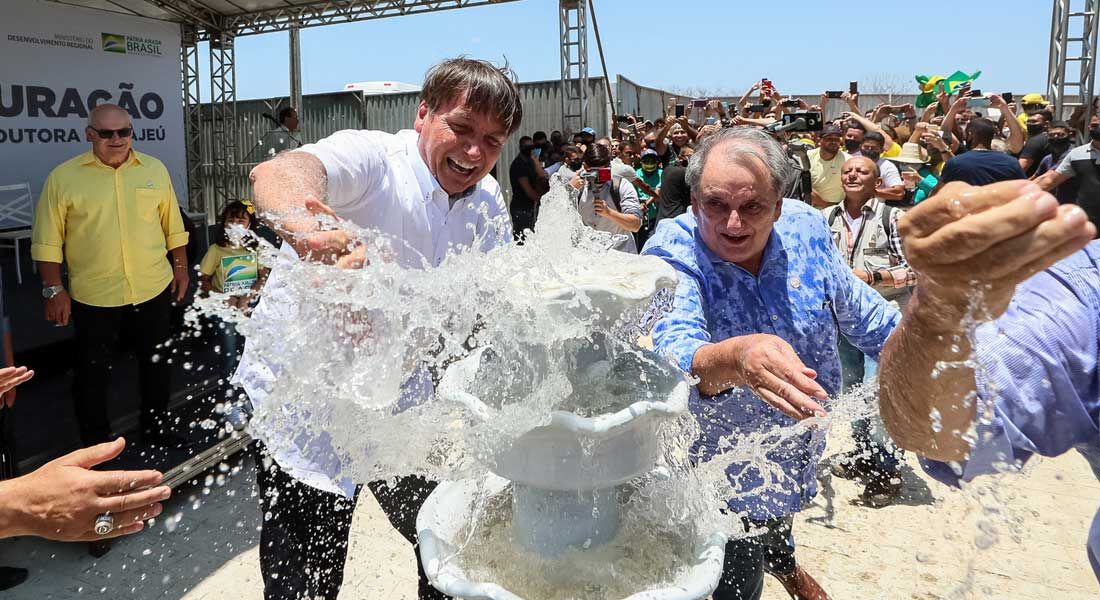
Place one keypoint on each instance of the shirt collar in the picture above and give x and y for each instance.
(423, 174)
(90, 158)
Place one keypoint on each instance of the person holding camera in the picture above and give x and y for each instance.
(605, 202)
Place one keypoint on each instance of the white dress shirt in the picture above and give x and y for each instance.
(377, 180)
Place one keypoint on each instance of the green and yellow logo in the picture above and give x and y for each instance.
(112, 42)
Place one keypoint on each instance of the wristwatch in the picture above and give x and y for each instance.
(876, 277)
(50, 291)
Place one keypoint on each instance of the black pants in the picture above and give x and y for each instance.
(96, 332)
(522, 220)
(304, 540)
(748, 559)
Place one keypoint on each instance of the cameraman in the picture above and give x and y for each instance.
(611, 205)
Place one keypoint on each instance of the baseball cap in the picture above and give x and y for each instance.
(649, 152)
(589, 131)
(1033, 98)
(831, 130)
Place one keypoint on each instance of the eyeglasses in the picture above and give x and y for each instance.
(107, 134)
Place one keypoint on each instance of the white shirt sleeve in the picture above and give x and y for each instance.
(1065, 167)
(628, 199)
(889, 174)
(354, 162)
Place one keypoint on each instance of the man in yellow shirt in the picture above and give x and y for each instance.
(111, 215)
(825, 163)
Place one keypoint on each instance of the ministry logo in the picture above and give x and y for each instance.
(113, 42)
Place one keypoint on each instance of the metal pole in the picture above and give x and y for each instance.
(296, 70)
(192, 118)
(603, 63)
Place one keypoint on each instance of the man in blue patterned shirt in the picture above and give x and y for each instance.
(761, 296)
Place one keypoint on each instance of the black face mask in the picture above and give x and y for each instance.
(871, 155)
(1094, 132)
(575, 166)
(852, 145)
(1034, 129)
(1060, 144)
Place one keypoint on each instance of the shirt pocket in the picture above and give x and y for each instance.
(147, 204)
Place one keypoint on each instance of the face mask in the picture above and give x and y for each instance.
(1059, 144)
(852, 145)
(872, 155)
(574, 166)
(1094, 132)
(1034, 129)
(649, 167)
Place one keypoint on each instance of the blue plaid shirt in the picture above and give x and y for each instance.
(802, 294)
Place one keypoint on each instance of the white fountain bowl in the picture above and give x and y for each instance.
(442, 526)
(602, 287)
(574, 452)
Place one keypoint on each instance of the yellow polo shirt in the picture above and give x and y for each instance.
(825, 175)
(114, 228)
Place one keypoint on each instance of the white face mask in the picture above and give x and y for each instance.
(1006, 132)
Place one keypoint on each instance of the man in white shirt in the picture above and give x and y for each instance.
(428, 188)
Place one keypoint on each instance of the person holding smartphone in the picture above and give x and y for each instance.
(606, 202)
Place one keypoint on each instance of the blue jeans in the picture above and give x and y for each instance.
(856, 368)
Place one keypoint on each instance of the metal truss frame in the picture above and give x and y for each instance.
(1073, 37)
(192, 116)
(223, 122)
(573, 27)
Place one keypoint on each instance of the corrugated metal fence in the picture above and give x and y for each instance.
(634, 99)
(324, 114)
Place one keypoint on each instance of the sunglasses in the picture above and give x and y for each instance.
(107, 134)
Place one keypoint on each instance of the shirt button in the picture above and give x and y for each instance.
(775, 317)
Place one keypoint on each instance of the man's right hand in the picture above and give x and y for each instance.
(59, 308)
(61, 500)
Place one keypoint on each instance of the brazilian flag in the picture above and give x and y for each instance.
(932, 85)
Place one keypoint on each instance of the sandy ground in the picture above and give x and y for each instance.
(924, 547)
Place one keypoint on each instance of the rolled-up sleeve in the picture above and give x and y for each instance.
(48, 233)
(171, 218)
(629, 203)
(681, 332)
(353, 162)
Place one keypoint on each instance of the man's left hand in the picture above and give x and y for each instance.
(180, 280)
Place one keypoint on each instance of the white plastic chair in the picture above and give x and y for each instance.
(16, 220)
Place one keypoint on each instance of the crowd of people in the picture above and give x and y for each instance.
(813, 257)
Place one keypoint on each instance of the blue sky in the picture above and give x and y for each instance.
(720, 46)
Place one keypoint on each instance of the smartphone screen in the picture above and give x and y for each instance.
(834, 94)
(679, 110)
(701, 103)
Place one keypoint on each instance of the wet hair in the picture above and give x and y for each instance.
(236, 208)
(981, 131)
(742, 144)
(488, 89)
(596, 156)
(875, 136)
(284, 114)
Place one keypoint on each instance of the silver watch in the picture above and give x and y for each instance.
(52, 290)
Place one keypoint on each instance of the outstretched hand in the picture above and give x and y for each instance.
(771, 368)
(61, 500)
(990, 238)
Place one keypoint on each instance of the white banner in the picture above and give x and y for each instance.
(58, 61)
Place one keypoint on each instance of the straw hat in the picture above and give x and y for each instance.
(911, 153)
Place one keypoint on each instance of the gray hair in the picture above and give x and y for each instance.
(103, 109)
(741, 145)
